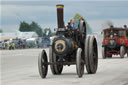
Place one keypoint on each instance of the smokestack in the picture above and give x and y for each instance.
(60, 16)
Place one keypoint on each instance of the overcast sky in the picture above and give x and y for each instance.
(44, 12)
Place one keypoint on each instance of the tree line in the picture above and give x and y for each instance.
(34, 27)
(26, 27)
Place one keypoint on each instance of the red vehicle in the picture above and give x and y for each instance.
(115, 42)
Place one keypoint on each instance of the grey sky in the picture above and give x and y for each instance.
(44, 12)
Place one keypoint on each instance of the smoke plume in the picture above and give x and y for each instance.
(107, 24)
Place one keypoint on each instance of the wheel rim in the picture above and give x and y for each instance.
(103, 53)
(43, 64)
(51, 60)
(122, 51)
(87, 54)
(94, 48)
(58, 67)
(82, 66)
(93, 55)
(79, 63)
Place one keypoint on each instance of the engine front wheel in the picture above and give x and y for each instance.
(43, 64)
(127, 52)
(109, 56)
(51, 60)
(103, 53)
(79, 63)
(58, 66)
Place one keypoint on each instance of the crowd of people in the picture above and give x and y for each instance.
(25, 43)
(13, 44)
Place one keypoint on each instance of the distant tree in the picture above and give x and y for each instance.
(25, 27)
(77, 17)
(1, 30)
(35, 27)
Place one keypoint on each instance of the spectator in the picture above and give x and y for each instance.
(81, 24)
(72, 24)
(13, 45)
(10, 46)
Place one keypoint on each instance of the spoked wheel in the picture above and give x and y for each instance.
(91, 55)
(43, 64)
(122, 51)
(103, 53)
(58, 66)
(51, 60)
(79, 63)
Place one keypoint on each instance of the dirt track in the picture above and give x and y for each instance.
(19, 67)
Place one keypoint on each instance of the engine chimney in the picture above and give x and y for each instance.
(60, 16)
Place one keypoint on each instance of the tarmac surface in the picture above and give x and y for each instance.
(20, 67)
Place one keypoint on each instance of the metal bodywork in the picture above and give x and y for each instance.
(69, 47)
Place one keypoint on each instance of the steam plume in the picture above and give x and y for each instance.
(107, 24)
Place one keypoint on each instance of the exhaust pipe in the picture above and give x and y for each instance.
(60, 18)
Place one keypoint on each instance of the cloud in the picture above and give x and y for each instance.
(15, 14)
(44, 13)
(10, 27)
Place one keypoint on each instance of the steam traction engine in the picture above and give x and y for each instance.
(69, 47)
(115, 42)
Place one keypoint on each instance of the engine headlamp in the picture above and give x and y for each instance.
(111, 36)
(60, 45)
(111, 42)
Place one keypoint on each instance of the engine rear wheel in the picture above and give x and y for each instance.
(87, 54)
(43, 64)
(122, 51)
(91, 55)
(79, 63)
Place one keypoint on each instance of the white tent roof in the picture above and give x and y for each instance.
(23, 35)
(27, 35)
